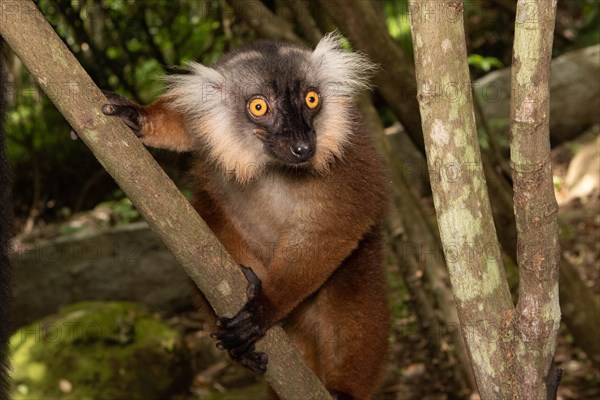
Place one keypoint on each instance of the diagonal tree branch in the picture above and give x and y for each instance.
(305, 20)
(151, 191)
(263, 21)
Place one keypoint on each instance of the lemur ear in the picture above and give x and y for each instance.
(349, 72)
(197, 91)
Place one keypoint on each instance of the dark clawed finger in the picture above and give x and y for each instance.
(257, 362)
(254, 282)
(133, 126)
(231, 323)
(232, 341)
(244, 348)
(262, 358)
(237, 340)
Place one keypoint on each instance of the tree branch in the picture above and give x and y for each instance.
(538, 311)
(263, 21)
(305, 20)
(459, 187)
(155, 196)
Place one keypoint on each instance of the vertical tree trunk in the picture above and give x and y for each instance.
(538, 312)
(459, 187)
(511, 349)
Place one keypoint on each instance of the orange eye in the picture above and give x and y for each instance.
(311, 99)
(258, 106)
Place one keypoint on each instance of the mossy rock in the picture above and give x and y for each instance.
(97, 350)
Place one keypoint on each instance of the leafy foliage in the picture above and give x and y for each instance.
(484, 63)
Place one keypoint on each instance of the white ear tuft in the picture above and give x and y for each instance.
(345, 72)
(198, 92)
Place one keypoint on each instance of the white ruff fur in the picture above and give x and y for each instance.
(202, 97)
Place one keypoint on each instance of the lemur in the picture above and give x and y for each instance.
(287, 178)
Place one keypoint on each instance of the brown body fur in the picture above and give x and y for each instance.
(315, 242)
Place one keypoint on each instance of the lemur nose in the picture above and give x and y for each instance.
(302, 151)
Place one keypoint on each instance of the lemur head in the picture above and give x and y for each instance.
(272, 105)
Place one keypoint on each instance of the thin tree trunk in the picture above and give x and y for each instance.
(151, 191)
(459, 189)
(537, 319)
(511, 349)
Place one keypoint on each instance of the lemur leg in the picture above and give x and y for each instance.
(353, 335)
(301, 327)
(342, 331)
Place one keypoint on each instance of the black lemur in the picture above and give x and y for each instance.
(289, 181)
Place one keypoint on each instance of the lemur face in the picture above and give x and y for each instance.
(273, 105)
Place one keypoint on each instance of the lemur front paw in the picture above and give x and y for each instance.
(255, 361)
(129, 112)
(238, 335)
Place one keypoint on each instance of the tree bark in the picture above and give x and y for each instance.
(511, 349)
(459, 189)
(537, 317)
(151, 191)
(359, 23)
